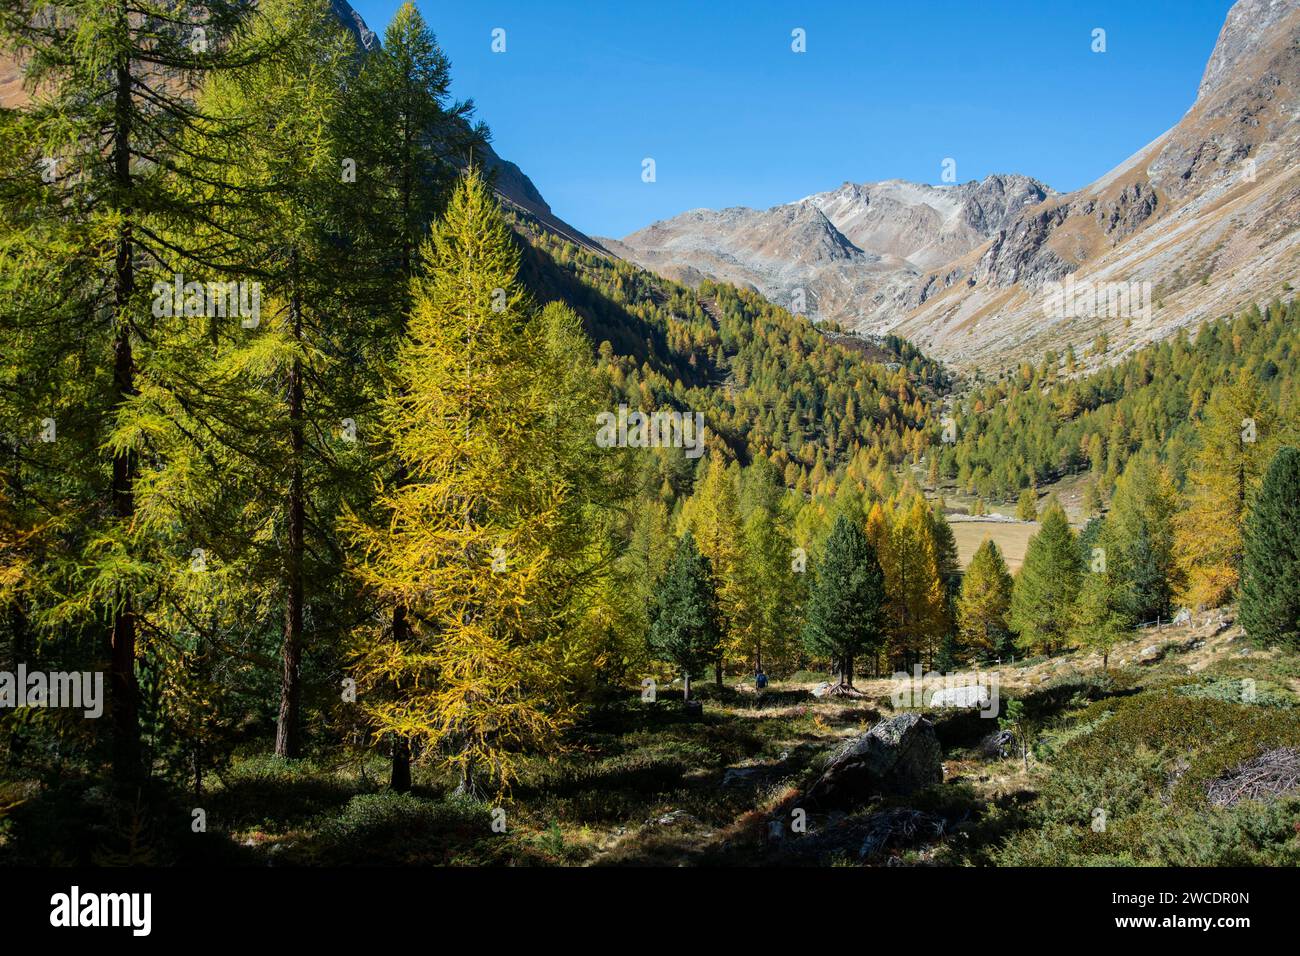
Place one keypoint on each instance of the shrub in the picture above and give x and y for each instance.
(393, 827)
(1144, 761)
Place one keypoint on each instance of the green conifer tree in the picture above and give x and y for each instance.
(984, 604)
(98, 187)
(687, 627)
(1047, 586)
(846, 609)
(1270, 595)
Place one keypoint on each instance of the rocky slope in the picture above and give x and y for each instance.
(854, 253)
(1206, 215)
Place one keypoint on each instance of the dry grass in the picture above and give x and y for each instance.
(1011, 537)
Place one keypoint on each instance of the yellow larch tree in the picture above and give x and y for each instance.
(1238, 435)
(490, 540)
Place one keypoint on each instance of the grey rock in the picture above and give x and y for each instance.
(1151, 653)
(896, 757)
(971, 695)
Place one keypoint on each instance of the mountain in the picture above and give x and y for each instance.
(1205, 216)
(856, 252)
(512, 185)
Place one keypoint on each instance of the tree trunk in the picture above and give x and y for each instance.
(717, 673)
(468, 786)
(286, 731)
(846, 678)
(686, 686)
(400, 779)
(406, 195)
(18, 623)
(125, 690)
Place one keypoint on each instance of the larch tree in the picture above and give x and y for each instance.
(412, 138)
(276, 132)
(1238, 434)
(489, 541)
(918, 599)
(774, 575)
(110, 87)
(408, 138)
(948, 568)
(985, 600)
(712, 514)
(631, 595)
(1027, 505)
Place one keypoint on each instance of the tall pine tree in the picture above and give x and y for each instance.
(1238, 435)
(985, 600)
(687, 626)
(846, 609)
(491, 542)
(111, 86)
(1047, 586)
(1270, 594)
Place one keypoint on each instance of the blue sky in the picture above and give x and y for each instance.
(887, 89)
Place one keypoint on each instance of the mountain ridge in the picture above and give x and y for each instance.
(1203, 215)
(860, 243)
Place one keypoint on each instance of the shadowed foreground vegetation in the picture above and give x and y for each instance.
(645, 784)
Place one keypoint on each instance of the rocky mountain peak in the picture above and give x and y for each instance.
(1249, 27)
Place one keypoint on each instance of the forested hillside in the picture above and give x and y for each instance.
(1039, 422)
(772, 384)
(266, 432)
(371, 503)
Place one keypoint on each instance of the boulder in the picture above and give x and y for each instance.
(896, 757)
(1000, 743)
(1151, 653)
(969, 695)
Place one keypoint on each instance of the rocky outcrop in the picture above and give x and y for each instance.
(896, 757)
(1020, 253)
(1195, 214)
(1244, 36)
(1124, 215)
(857, 252)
